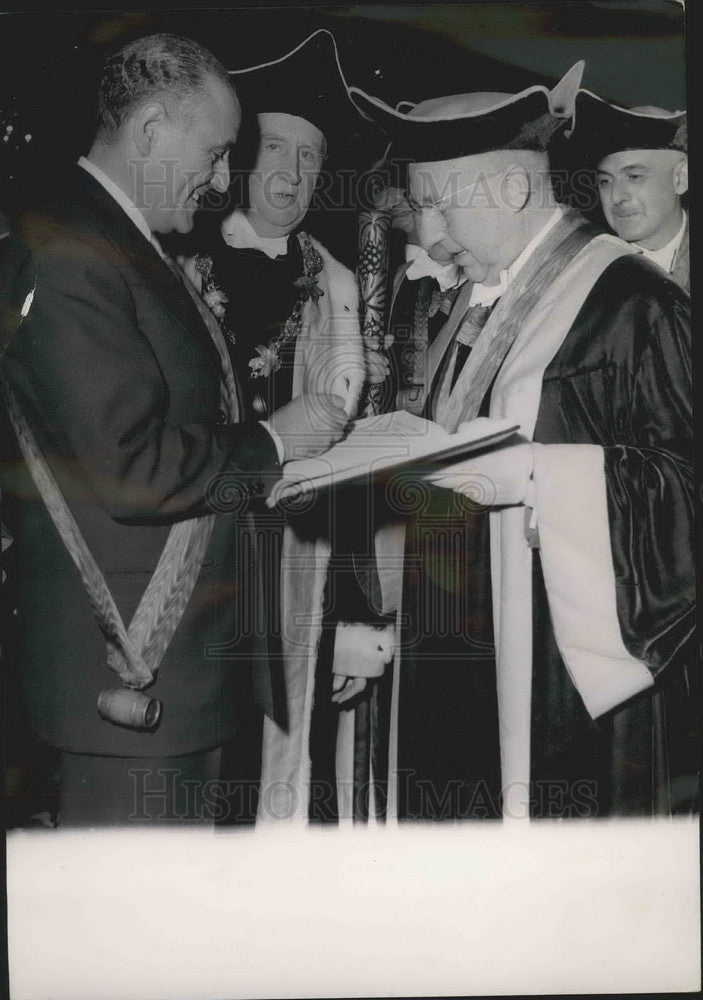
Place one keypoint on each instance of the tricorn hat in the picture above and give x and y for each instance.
(602, 128)
(307, 82)
(445, 128)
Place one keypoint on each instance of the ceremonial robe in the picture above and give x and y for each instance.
(591, 708)
(295, 546)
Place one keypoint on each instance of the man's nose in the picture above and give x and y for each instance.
(290, 167)
(220, 179)
(429, 228)
(620, 191)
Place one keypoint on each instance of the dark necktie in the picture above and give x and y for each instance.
(474, 322)
(440, 306)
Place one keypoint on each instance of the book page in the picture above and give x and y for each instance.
(382, 442)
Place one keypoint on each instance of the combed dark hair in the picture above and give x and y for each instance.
(165, 66)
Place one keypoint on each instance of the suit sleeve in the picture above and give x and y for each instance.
(93, 391)
(364, 636)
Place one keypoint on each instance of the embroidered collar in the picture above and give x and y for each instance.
(268, 361)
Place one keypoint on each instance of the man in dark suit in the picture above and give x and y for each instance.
(120, 376)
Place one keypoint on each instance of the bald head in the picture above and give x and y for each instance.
(640, 192)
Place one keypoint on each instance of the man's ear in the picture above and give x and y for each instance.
(515, 188)
(145, 125)
(681, 177)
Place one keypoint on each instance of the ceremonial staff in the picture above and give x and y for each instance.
(372, 276)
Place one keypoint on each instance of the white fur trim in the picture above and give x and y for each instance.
(329, 358)
(578, 569)
(330, 355)
(516, 394)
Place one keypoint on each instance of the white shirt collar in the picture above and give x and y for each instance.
(665, 256)
(125, 203)
(486, 295)
(239, 233)
(422, 266)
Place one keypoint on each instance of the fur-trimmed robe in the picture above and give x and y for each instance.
(329, 355)
(329, 358)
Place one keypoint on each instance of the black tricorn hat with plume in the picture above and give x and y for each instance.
(446, 128)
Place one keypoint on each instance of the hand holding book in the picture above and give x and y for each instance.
(390, 441)
(496, 478)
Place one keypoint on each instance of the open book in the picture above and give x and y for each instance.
(396, 441)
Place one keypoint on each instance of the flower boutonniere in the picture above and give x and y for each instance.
(266, 364)
(212, 295)
(216, 300)
(309, 288)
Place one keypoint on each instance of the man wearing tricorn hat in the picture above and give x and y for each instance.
(290, 312)
(549, 583)
(642, 176)
(297, 116)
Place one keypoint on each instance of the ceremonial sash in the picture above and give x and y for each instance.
(133, 653)
(517, 393)
(546, 301)
(549, 260)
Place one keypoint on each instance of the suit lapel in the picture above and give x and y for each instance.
(142, 257)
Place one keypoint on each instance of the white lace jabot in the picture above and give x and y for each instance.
(239, 233)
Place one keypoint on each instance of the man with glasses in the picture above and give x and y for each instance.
(546, 663)
(422, 295)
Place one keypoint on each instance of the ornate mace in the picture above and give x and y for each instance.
(372, 275)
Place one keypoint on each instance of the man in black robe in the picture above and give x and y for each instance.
(546, 664)
(290, 312)
(421, 295)
(640, 155)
